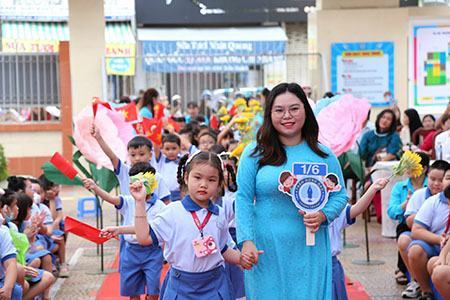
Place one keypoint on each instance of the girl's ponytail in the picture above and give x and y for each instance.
(232, 185)
(181, 170)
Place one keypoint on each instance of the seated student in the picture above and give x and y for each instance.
(37, 281)
(435, 186)
(429, 224)
(439, 266)
(400, 195)
(166, 163)
(45, 196)
(9, 289)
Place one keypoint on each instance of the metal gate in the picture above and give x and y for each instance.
(247, 75)
(29, 87)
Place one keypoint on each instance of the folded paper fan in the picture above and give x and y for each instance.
(83, 230)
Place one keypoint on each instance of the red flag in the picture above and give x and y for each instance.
(139, 128)
(214, 122)
(63, 166)
(176, 126)
(158, 109)
(83, 230)
(232, 111)
(96, 101)
(129, 112)
(153, 130)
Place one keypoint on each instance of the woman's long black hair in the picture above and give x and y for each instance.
(148, 99)
(414, 120)
(393, 126)
(268, 145)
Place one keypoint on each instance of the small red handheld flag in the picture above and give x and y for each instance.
(158, 109)
(153, 130)
(83, 230)
(96, 101)
(63, 166)
(129, 112)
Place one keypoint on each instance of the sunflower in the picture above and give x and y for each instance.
(148, 179)
(240, 102)
(253, 103)
(222, 111)
(241, 120)
(409, 162)
(238, 150)
(225, 118)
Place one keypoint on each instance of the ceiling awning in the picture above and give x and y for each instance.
(33, 36)
(210, 49)
(45, 36)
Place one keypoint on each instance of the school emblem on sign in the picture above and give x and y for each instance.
(308, 185)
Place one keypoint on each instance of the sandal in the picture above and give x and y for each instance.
(401, 278)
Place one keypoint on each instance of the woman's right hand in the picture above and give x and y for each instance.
(250, 251)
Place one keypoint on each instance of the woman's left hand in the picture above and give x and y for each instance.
(313, 220)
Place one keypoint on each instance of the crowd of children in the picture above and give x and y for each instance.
(32, 247)
(177, 205)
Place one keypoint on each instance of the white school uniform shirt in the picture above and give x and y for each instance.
(442, 145)
(127, 208)
(37, 208)
(335, 229)
(229, 207)
(175, 227)
(416, 201)
(162, 191)
(7, 249)
(168, 170)
(433, 214)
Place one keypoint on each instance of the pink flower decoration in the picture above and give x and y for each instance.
(113, 128)
(340, 123)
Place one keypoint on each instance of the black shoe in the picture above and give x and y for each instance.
(426, 296)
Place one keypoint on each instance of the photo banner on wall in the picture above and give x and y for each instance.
(364, 70)
(430, 66)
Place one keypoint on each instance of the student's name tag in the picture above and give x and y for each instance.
(204, 246)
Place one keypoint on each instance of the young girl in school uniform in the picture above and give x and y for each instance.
(226, 200)
(195, 233)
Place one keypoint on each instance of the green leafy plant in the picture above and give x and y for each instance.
(3, 165)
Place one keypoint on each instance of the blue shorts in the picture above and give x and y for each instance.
(37, 278)
(338, 280)
(431, 250)
(140, 269)
(16, 293)
(46, 241)
(181, 285)
(30, 256)
(408, 233)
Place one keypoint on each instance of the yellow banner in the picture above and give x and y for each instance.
(361, 53)
(21, 46)
(120, 59)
